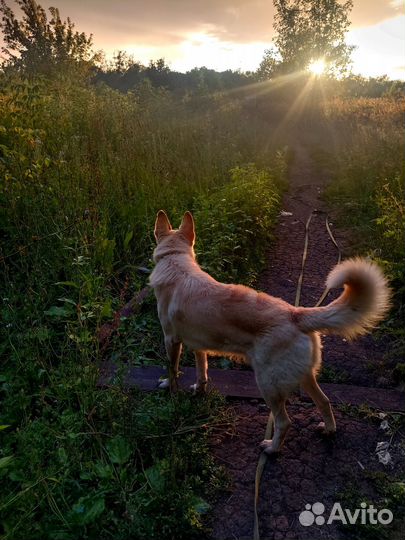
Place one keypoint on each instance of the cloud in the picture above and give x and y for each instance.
(370, 12)
(158, 23)
(174, 28)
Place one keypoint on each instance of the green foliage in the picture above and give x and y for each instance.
(124, 73)
(374, 87)
(35, 45)
(148, 155)
(330, 375)
(236, 220)
(234, 225)
(391, 494)
(83, 462)
(84, 171)
(308, 31)
(365, 162)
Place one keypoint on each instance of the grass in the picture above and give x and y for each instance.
(330, 375)
(380, 488)
(105, 463)
(85, 169)
(362, 151)
(391, 495)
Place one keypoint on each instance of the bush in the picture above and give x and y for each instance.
(235, 222)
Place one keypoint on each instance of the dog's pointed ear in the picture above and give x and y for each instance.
(162, 225)
(187, 227)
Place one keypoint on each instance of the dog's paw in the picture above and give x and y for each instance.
(323, 430)
(164, 383)
(268, 447)
(198, 388)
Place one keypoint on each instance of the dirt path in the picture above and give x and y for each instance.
(360, 362)
(310, 469)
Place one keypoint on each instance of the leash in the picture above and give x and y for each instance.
(326, 290)
(304, 259)
(269, 428)
(259, 471)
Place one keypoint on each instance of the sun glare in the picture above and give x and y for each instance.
(317, 67)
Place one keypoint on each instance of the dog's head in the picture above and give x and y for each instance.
(173, 241)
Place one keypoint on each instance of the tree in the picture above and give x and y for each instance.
(158, 72)
(308, 31)
(35, 44)
(122, 62)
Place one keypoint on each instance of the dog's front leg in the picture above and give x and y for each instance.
(201, 365)
(173, 350)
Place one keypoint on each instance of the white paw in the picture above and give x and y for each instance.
(323, 430)
(164, 383)
(268, 447)
(198, 388)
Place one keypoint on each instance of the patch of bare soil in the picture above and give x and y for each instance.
(310, 468)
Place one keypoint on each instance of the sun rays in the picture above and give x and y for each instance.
(317, 67)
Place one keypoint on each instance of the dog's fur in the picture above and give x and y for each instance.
(280, 341)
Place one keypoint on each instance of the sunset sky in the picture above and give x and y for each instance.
(224, 34)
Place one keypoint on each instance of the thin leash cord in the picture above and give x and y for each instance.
(326, 290)
(269, 428)
(259, 471)
(304, 259)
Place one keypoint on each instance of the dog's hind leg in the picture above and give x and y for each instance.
(201, 365)
(173, 350)
(279, 367)
(282, 422)
(311, 387)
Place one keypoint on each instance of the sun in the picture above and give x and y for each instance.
(317, 67)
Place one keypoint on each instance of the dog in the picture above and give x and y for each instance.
(281, 342)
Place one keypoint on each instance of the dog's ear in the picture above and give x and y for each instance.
(187, 227)
(162, 225)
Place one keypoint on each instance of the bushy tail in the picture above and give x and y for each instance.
(363, 303)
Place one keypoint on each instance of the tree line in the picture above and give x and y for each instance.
(38, 44)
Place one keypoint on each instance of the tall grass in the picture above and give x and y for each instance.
(365, 160)
(84, 171)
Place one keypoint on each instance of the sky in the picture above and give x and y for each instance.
(227, 34)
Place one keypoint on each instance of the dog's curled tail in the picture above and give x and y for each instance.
(364, 301)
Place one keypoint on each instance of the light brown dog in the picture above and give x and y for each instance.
(280, 341)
